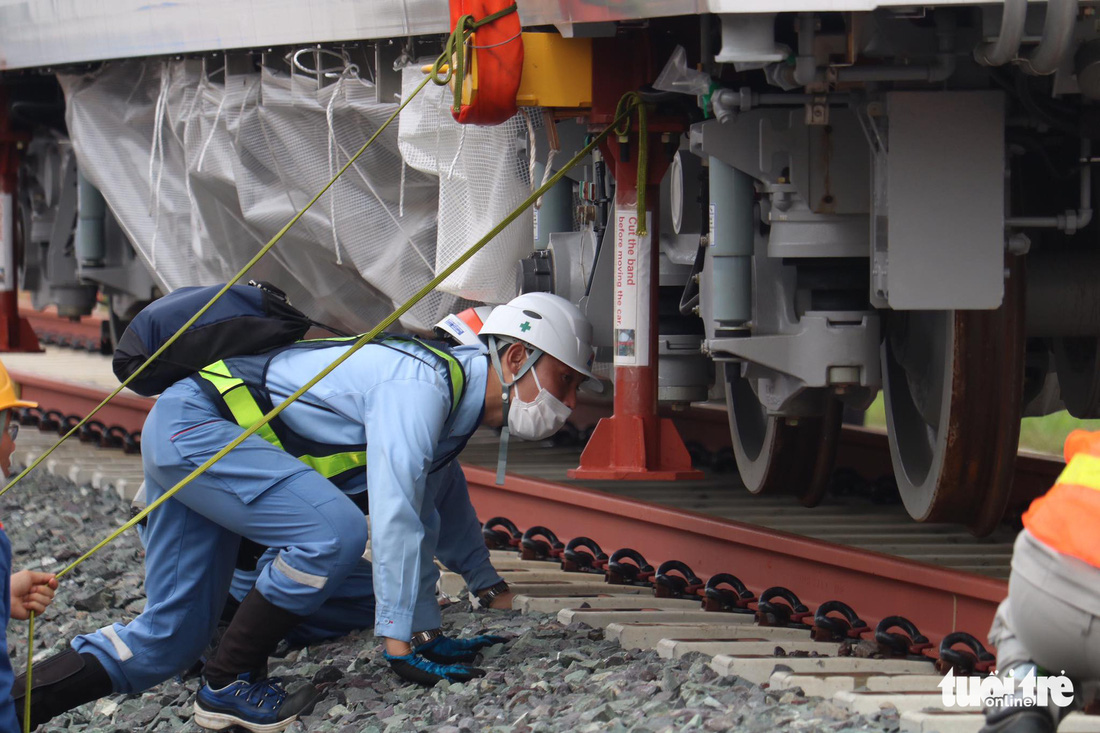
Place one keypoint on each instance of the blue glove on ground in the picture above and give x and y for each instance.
(444, 650)
(415, 668)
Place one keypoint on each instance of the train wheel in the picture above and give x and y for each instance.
(953, 383)
(780, 455)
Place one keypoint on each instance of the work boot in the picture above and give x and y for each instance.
(62, 682)
(196, 669)
(261, 706)
(1016, 720)
(1018, 716)
(237, 690)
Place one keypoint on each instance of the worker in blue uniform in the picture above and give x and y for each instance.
(387, 423)
(461, 548)
(26, 591)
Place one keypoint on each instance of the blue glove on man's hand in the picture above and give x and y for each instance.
(444, 650)
(415, 668)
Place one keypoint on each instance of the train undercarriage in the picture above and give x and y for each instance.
(842, 202)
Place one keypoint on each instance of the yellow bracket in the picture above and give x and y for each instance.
(557, 72)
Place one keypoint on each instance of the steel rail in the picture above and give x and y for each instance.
(127, 411)
(49, 326)
(862, 448)
(938, 600)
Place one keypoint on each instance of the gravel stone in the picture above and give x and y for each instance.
(549, 679)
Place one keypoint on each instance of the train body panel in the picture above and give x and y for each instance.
(35, 34)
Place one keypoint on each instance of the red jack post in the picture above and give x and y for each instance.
(16, 333)
(635, 443)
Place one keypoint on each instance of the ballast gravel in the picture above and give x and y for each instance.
(548, 678)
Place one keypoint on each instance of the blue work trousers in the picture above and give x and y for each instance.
(349, 608)
(257, 491)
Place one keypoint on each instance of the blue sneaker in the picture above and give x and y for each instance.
(263, 706)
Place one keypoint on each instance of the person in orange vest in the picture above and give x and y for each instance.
(1050, 622)
(26, 590)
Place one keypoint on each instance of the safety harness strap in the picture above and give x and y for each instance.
(239, 400)
(337, 464)
(246, 410)
(457, 376)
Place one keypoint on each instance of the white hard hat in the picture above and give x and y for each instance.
(549, 323)
(464, 327)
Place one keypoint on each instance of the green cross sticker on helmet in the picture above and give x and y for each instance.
(546, 322)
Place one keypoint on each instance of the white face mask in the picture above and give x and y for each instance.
(539, 418)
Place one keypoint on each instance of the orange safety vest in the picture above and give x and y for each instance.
(1066, 517)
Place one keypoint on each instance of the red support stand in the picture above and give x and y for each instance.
(635, 443)
(16, 333)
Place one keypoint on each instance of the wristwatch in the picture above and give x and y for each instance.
(423, 637)
(485, 596)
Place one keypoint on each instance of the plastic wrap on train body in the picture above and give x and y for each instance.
(201, 173)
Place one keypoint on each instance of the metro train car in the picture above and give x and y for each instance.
(838, 199)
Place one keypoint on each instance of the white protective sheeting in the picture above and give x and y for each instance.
(201, 174)
(483, 176)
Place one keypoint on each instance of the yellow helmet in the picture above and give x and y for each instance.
(8, 399)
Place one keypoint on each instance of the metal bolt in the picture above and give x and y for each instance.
(1018, 244)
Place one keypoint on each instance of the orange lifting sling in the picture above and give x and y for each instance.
(488, 95)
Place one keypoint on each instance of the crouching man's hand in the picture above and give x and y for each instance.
(444, 650)
(408, 664)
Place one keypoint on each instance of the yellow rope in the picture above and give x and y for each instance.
(248, 266)
(458, 38)
(30, 659)
(359, 343)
